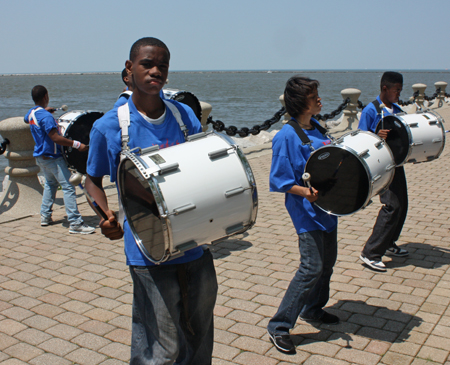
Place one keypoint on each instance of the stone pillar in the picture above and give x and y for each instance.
(286, 117)
(440, 98)
(206, 110)
(419, 99)
(22, 194)
(349, 119)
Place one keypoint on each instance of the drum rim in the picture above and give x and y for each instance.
(141, 166)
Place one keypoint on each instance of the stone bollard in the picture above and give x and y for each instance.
(440, 97)
(420, 98)
(286, 117)
(206, 110)
(22, 194)
(350, 115)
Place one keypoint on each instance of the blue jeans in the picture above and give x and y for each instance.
(57, 173)
(309, 290)
(173, 313)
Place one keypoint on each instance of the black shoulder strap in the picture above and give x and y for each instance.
(301, 133)
(376, 103)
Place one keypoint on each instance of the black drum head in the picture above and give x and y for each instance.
(340, 178)
(79, 130)
(190, 100)
(397, 139)
(141, 211)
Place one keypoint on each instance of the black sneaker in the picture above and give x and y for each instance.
(283, 343)
(326, 318)
(394, 250)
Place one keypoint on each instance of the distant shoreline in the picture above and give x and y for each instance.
(221, 71)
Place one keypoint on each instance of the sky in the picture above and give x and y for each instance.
(53, 36)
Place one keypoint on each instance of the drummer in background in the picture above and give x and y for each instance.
(173, 302)
(392, 215)
(309, 290)
(47, 152)
(127, 91)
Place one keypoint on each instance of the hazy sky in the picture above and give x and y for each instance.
(96, 35)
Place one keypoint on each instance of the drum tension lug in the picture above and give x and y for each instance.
(363, 153)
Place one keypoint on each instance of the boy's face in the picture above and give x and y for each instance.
(393, 92)
(149, 70)
(314, 103)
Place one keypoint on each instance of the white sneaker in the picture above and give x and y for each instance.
(46, 221)
(81, 228)
(375, 265)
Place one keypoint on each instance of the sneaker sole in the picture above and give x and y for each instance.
(389, 253)
(367, 262)
(78, 232)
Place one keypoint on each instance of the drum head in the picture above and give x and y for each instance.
(141, 211)
(187, 98)
(397, 139)
(79, 130)
(340, 178)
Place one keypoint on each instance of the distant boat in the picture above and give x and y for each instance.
(269, 72)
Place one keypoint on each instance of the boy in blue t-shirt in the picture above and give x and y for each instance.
(392, 214)
(309, 290)
(47, 152)
(173, 302)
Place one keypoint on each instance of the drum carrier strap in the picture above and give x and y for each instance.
(126, 93)
(302, 135)
(33, 116)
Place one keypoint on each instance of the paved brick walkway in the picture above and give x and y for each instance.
(66, 299)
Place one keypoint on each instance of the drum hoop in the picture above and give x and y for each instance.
(408, 132)
(140, 164)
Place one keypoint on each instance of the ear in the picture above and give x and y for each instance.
(128, 66)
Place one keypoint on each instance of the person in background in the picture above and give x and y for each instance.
(127, 91)
(47, 151)
(309, 290)
(392, 214)
(173, 302)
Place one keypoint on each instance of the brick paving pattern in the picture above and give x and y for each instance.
(66, 299)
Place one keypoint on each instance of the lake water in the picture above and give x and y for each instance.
(242, 99)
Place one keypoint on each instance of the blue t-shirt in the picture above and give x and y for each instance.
(289, 158)
(40, 129)
(104, 157)
(370, 118)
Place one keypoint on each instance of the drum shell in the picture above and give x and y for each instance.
(77, 125)
(199, 181)
(418, 137)
(374, 171)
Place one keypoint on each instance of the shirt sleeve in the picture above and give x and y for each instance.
(368, 120)
(98, 162)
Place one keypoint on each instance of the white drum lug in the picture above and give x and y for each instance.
(419, 143)
(413, 125)
(219, 153)
(390, 167)
(233, 192)
(183, 209)
(363, 153)
(376, 178)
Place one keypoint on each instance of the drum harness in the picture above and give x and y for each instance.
(123, 114)
(32, 116)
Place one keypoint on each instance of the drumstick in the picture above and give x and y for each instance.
(382, 106)
(306, 179)
(75, 180)
(63, 108)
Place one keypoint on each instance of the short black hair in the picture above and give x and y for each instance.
(296, 93)
(38, 93)
(124, 74)
(147, 41)
(390, 78)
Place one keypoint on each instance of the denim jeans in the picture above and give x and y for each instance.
(391, 218)
(57, 173)
(173, 313)
(309, 290)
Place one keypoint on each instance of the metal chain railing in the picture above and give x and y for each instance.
(334, 113)
(219, 126)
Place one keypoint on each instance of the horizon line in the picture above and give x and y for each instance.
(224, 71)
